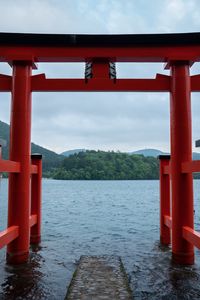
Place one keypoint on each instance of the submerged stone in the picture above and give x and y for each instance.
(99, 277)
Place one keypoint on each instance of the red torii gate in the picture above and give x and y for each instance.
(99, 52)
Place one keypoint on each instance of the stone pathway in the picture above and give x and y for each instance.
(99, 278)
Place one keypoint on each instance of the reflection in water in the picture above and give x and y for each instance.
(158, 278)
(25, 281)
(185, 280)
(97, 218)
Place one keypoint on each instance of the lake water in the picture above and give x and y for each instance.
(99, 217)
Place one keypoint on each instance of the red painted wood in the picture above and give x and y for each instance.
(36, 199)
(65, 85)
(191, 167)
(192, 236)
(166, 170)
(34, 169)
(164, 202)
(41, 84)
(5, 83)
(180, 84)
(9, 166)
(195, 83)
(81, 54)
(168, 221)
(32, 220)
(20, 150)
(181, 151)
(8, 235)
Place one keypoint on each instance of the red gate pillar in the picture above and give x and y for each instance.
(181, 151)
(36, 196)
(20, 142)
(164, 199)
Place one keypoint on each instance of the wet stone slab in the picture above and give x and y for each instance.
(99, 278)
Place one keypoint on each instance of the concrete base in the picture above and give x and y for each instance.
(99, 277)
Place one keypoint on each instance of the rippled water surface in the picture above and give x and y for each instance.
(99, 217)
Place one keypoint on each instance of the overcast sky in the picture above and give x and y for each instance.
(107, 121)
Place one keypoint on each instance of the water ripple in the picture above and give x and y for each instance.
(99, 217)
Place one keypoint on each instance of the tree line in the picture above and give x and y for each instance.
(101, 165)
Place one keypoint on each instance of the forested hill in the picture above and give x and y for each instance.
(100, 165)
(50, 159)
(93, 165)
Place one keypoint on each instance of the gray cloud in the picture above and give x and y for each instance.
(119, 121)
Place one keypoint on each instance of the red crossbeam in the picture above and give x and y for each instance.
(55, 85)
(195, 83)
(32, 220)
(191, 167)
(5, 83)
(34, 169)
(8, 235)
(192, 236)
(9, 166)
(168, 221)
(40, 84)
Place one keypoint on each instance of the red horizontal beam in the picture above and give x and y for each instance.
(32, 220)
(191, 167)
(195, 83)
(40, 84)
(9, 166)
(192, 236)
(34, 169)
(168, 221)
(119, 54)
(5, 83)
(8, 235)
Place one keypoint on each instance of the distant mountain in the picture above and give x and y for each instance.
(71, 152)
(50, 159)
(156, 152)
(149, 152)
(146, 152)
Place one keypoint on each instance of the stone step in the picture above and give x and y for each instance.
(99, 278)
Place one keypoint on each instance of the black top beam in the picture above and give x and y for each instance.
(164, 156)
(101, 40)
